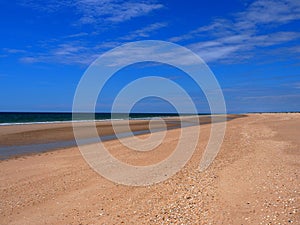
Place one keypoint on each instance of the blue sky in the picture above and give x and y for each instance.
(252, 47)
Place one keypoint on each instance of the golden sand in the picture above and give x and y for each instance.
(253, 180)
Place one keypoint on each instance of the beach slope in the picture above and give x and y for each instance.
(253, 180)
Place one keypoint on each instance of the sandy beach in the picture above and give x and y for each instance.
(53, 132)
(253, 180)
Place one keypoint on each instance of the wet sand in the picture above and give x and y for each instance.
(16, 140)
(253, 180)
(54, 132)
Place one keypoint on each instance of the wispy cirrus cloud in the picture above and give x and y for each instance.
(66, 53)
(296, 85)
(144, 32)
(259, 13)
(13, 50)
(97, 11)
(69, 52)
(269, 12)
(76, 35)
(235, 38)
(224, 40)
(79, 48)
(221, 48)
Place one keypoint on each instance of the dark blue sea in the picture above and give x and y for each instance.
(11, 118)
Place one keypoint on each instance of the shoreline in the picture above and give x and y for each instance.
(106, 120)
(28, 139)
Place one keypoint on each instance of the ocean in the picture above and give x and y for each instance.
(13, 118)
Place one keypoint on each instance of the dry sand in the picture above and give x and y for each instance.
(253, 180)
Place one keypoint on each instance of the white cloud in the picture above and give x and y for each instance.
(144, 32)
(68, 53)
(211, 54)
(219, 27)
(230, 47)
(275, 38)
(14, 51)
(270, 12)
(97, 11)
(81, 34)
(259, 13)
(128, 10)
(68, 49)
(297, 85)
(225, 40)
(245, 31)
(28, 59)
(143, 52)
